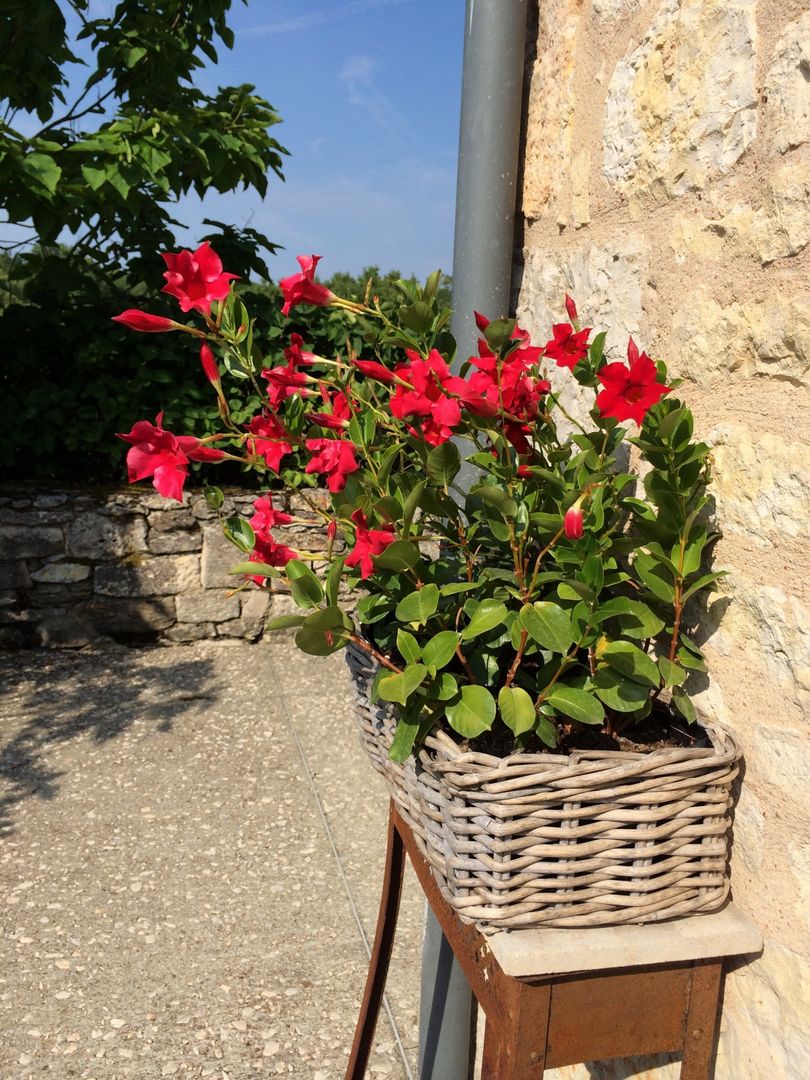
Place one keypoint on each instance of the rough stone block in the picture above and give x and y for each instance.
(782, 758)
(20, 542)
(218, 556)
(128, 618)
(788, 86)
(65, 632)
(161, 575)
(681, 107)
(174, 543)
(63, 573)
(255, 609)
(97, 536)
(211, 606)
(14, 575)
(185, 633)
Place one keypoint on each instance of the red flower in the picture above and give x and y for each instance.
(573, 523)
(367, 544)
(339, 417)
(196, 278)
(335, 458)
(373, 370)
(266, 549)
(301, 288)
(270, 441)
(422, 393)
(146, 323)
(284, 381)
(209, 364)
(295, 355)
(630, 391)
(567, 347)
(164, 456)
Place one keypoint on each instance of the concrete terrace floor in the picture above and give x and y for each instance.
(191, 848)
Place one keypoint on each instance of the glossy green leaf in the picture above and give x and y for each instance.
(517, 709)
(472, 713)
(399, 555)
(324, 632)
(284, 622)
(630, 660)
(683, 703)
(488, 615)
(408, 647)
(398, 687)
(443, 463)
(305, 587)
(672, 674)
(547, 732)
(655, 577)
(640, 621)
(549, 625)
(240, 533)
(618, 692)
(497, 498)
(578, 704)
(440, 650)
(404, 738)
(418, 606)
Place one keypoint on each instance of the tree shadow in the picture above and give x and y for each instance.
(49, 699)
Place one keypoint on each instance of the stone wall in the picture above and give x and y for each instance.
(667, 188)
(81, 567)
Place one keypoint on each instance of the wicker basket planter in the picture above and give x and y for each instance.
(592, 839)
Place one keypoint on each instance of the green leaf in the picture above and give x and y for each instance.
(404, 738)
(517, 709)
(324, 632)
(399, 555)
(653, 575)
(618, 693)
(284, 622)
(408, 647)
(417, 607)
(683, 703)
(640, 621)
(689, 660)
(399, 686)
(44, 169)
(473, 713)
(411, 505)
(332, 584)
(240, 533)
(440, 650)
(488, 614)
(578, 704)
(549, 625)
(304, 585)
(672, 674)
(445, 687)
(456, 587)
(256, 569)
(213, 497)
(499, 333)
(443, 463)
(547, 732)
(630, 660)
(497, 498)
(702, 582)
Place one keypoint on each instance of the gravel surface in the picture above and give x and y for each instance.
(192, 848)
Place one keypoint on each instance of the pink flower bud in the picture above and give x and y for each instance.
(209, 364)
(146, 323)
(481, 321)
(571, 308)
(524, 471)
(572, 522)
(331, 530)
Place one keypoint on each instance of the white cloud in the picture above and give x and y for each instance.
(296, 23)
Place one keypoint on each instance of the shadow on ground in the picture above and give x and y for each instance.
(48, 699)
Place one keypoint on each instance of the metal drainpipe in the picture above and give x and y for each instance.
(491, 105)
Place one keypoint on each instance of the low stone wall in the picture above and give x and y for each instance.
(84, 567)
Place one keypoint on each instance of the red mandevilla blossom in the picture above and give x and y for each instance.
(567, 347)
(267, 549)
(164, 456)
(367, 544)
(333, 457)
(209, 364)
(195, 278)
(340, 415)
(422, 392)
(630, 391)
(270, 441)
(301, 288)
(284, 381)
(573, 522)
(146, 323)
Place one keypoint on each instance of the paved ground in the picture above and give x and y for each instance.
(189, 867)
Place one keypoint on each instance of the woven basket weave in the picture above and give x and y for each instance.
(592, 839)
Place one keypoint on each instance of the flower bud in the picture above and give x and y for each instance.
(146, 323)
(572, 522)
(571, 308)
(209, 364)
(331, 530)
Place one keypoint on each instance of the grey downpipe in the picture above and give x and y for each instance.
(489, 143)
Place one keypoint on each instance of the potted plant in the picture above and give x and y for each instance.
(521, 644)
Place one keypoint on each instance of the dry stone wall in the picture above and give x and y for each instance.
(667, 188)
(77, 568)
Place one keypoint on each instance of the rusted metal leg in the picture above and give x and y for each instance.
(515, 1040)
(701, 1020)
(380, 954)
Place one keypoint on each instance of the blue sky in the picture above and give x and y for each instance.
(369, 94)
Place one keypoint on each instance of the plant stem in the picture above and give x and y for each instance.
(378, 656)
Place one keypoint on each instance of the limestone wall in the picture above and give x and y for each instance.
(80, 567)
(667, 188)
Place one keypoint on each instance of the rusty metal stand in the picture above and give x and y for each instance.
(548, 1021)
